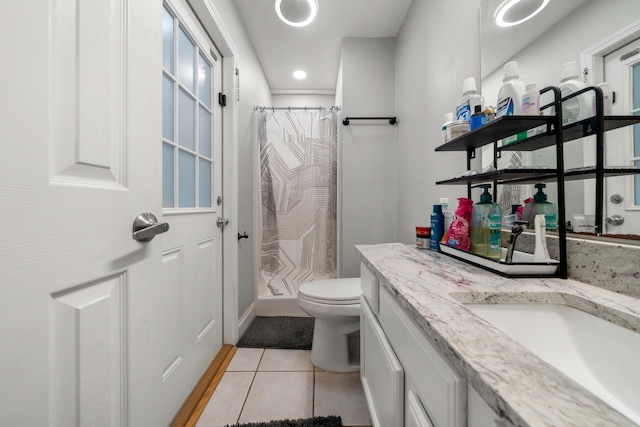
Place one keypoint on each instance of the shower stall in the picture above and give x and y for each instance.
(297, 210)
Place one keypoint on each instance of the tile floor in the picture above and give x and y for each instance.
(265, 384)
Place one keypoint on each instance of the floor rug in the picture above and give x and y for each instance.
(329, 421)
(292, 333)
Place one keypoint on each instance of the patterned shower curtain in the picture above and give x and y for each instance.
(298, 166)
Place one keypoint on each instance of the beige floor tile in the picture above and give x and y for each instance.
(226, 403)
(286, 360)
(245, 360)
(341, 394)
(279, 395)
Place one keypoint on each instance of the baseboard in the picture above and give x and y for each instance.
(246, 319)
(197, 400)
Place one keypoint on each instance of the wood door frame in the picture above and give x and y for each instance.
(212, 22)
(592, 63)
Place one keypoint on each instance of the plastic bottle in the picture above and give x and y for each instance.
(446, 128)
(540, 206)
(577, 108)
(486, 223)
(470, 98)
(511, 92)
(531, 100)
(437, 227)
(447, 214)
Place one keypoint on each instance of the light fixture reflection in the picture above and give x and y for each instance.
(297, 13)
(299, 74)
(507, 5)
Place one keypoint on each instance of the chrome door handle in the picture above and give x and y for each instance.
(222, 222)
(146, 226)
(615, 220)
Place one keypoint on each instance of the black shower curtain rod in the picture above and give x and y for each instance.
(289, 108)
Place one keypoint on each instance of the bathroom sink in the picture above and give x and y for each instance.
(599, 355)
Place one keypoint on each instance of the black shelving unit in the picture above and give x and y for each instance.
(505, 127)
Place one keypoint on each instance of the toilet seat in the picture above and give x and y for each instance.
(332, 291)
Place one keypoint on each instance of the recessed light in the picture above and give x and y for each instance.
(520, 11)
(297, 13)
(299, 74)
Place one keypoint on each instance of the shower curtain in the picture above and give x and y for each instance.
(298, 166)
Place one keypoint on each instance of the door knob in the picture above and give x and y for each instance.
(615, 220)
(146, 226)
(222, 222)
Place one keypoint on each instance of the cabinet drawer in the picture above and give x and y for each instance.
(380, 372)
(370, 287)
(437, 384)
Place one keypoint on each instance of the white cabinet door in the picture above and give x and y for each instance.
(380, 371)
(416, 414)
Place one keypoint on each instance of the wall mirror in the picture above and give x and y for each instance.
(573, 30)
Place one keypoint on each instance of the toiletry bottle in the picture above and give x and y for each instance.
(540, 253)
(531, 100)
(540, 206)
(579, 107)
(437, 227)
(486, 223)
(447, 214)
(470, 98)
(478, 118)
(446, 128)
(510, 94)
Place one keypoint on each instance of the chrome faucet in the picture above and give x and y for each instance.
(516, 230)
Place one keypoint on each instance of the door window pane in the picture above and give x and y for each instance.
(204, 137)
(186, 179)
(168, 174)
(205, 183)
(204, 81)
(167, 108)
(167, 41)
(636, 182)
(636, 137)
(186, 120)
(636, 86)
(186, 60)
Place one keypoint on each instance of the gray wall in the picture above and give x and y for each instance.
(436, 49)
(254, 90)
(541, 62)
(367, 153)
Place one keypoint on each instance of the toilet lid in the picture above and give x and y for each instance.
(332, 291)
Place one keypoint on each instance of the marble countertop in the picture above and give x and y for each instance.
(516, 384)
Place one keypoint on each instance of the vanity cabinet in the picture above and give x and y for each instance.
(407, 381)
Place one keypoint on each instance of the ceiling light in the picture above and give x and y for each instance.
(299, 74)
(519, 11)
(297, 13)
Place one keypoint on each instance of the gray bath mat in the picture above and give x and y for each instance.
(329, 421)
(292, 333)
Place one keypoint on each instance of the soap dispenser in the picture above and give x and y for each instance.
(540, 206)
(486, 223)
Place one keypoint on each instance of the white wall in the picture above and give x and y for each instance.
(254, 90)
(542, 60)
(367, 152)
(436, 49)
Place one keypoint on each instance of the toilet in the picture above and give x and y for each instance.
(335, 304)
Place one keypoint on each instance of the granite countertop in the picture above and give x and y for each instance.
(521, 388)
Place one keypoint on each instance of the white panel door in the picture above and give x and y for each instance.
(192, 181)
(80, 158)
(622, 71)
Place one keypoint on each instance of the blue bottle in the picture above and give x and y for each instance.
(437, 227)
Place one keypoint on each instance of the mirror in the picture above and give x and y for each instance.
(560, 33)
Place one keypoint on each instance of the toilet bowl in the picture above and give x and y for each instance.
(335, 305)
